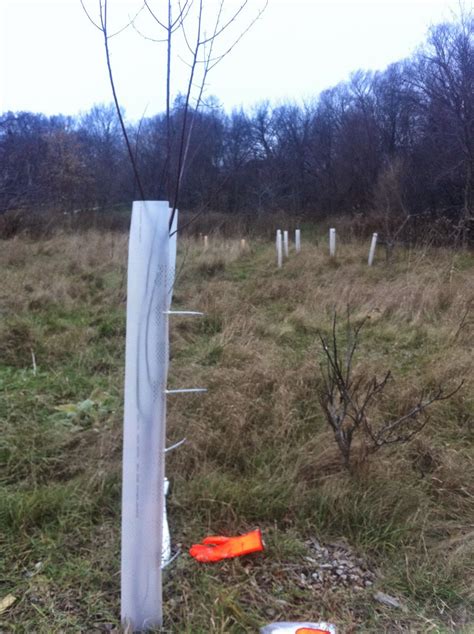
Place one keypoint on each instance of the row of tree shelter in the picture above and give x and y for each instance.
(283, 249)
(283, 246)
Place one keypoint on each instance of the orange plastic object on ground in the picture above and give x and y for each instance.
(311, 630)
(286, 627)
(218, 547)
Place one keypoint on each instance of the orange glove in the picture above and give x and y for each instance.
(219, 547)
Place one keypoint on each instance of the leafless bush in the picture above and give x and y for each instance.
(347, 399)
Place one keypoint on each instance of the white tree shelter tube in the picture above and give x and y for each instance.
(285, 244)
(373, 244)
(150, 278)
(298, 240)
(332, 242)
(279, 248)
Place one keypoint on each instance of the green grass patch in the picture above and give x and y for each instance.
(259, 450)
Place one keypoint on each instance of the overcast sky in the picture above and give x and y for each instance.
(52, 61)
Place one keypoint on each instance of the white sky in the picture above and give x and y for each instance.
(52, 61)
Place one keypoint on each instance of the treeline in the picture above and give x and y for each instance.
(396, 143)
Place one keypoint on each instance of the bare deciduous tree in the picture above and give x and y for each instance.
(394, 149)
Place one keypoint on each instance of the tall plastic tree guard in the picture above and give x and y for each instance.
(297, 240)
(279, 248)
(151, 267)
(373, 244)
(332, 242)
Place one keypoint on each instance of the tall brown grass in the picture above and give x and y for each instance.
(259, 450)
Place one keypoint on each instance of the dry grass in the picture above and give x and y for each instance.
(259, 451)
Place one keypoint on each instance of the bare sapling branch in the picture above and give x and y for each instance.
(199, 33)
(103, 28)
(203, 57)
(347, 398)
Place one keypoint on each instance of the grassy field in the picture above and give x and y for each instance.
(260, 452)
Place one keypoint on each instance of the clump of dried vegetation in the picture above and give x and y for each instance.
(348, 400)
(259, 451)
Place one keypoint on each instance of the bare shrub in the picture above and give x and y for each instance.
(347, 399)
